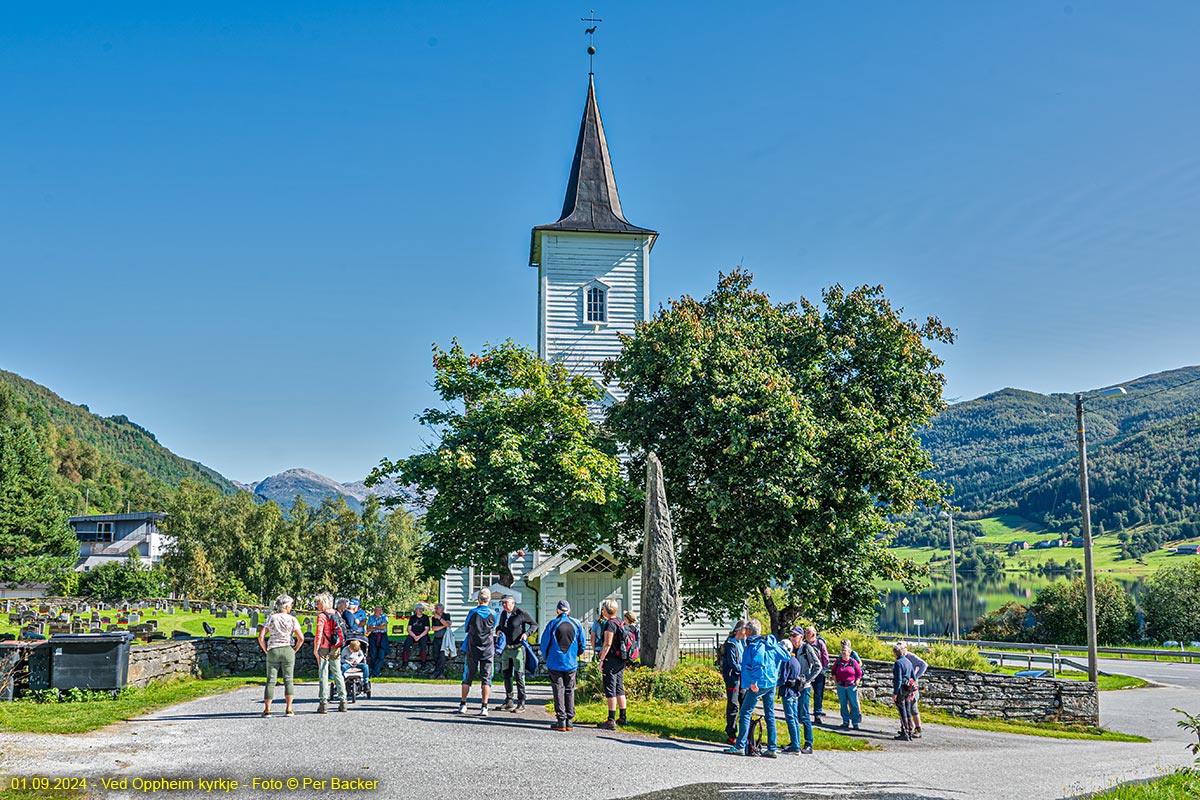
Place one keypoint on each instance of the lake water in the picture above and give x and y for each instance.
(977, 595)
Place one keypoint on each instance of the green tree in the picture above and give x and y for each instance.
(1004, 624)
(36, 544)
(787, 436)
(514, 461)
(129, 579)
(1060, 613)
(194, 518)
(1172, 603)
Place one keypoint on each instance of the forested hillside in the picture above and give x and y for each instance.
(110, 462)
(1015, 451)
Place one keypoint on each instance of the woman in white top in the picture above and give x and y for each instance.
(280, 638)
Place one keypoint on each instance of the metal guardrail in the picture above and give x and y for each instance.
(1187, 656)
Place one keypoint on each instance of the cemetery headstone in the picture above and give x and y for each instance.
(254, 619)
(240, 629)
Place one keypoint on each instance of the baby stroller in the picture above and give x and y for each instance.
(356, 681)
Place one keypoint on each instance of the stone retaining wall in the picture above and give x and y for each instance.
(982, 694)
(220, 655)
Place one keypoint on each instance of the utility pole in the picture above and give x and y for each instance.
(1089, 576)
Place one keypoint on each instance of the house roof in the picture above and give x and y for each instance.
(136, 516)
(592, 204)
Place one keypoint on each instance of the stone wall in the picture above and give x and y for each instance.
(980, 694)
(221, 655)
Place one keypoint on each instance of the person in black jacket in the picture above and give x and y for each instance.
(904, 680)
(516, 625)
(731, 671)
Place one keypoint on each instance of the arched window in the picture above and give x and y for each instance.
(595, 305)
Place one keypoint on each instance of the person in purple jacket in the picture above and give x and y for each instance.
(847, 672)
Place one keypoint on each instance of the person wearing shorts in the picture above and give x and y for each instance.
(612, 665)
(479, 650)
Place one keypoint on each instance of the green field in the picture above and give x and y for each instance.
(1001, 531)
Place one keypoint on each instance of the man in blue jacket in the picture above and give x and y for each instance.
(479, 649)
(731, 671)
(760, 674)
(562, 645)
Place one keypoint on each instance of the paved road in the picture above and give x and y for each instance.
(411, 740)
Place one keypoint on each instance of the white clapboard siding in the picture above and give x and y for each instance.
(571, 262)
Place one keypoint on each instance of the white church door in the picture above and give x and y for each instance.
(592, 582)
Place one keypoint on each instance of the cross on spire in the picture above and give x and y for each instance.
(591, 32)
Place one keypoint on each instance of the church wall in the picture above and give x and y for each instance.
(569, 263)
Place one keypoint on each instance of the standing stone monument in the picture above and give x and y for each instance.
(254, 619)
(660, 578)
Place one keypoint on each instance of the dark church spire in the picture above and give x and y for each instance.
(592, 204)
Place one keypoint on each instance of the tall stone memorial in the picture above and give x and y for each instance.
(660, 578)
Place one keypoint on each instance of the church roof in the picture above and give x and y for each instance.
(591, 204)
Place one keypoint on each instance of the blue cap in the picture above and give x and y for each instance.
(354, 601)
(564, 607)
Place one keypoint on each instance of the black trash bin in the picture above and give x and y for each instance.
(98, 661)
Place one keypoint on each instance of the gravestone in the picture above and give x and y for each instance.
(106, 620)
(660, 577)
(172, 609)
(254, 619)
(135, 618)
(221, 615)
(308, 626)
(112, 628)
(240, 629)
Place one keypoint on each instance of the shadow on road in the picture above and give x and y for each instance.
(872, 790)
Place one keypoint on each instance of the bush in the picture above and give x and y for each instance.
(684, 684)
(1005, 624)
(1059, 613)
(956, 657)
(1172, 603)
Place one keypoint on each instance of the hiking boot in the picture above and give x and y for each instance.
(790, 750)
(607, 725)
(806, 750)
(508, 706)
(622, 721)
(903, 737)
(321, 709)
(342, 706)
(570, 726)
(559, 726)
(767, 754)
(520, 707)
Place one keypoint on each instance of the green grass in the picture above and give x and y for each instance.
(1050, 730)
(188, 622)
(25, 716)
(1181, 785)
(38, 794)
(702, 720)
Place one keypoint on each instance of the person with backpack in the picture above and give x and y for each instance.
(818, 687)
(847, 672)
(920, 667)
(516, 624)
(562, 645)
(761, 661)
(327, 648)
(731, 671)
(904, 688)
(810, 667)
(789, 694)
(479, 648)
(613, 656)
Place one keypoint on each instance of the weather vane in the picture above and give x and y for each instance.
(591, 32)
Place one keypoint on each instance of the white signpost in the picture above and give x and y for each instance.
(917, 623)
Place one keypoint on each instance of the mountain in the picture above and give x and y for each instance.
(102, 464)
(1014, 451)
(314, 488)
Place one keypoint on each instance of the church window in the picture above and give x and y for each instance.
(596, 305)
(483, 580)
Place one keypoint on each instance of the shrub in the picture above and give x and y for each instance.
(1172, 603)
(956, 657)
(683, 684)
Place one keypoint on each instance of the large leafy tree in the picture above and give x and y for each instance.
(36, 544)
(1172, 603)
(514, 461)
(1060, 613)
(787, 436)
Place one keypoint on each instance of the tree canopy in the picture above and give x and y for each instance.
(514, 461)
(787, 436)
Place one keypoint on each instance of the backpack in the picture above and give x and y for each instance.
(626, 644)
(335, 637)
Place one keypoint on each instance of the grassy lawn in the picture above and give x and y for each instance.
(189, 623)
(38, 794)
(24, 716)
(1050, 730)
(702, 720)
(1181, 785)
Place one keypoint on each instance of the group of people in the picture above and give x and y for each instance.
(488, 636)
(756, 667)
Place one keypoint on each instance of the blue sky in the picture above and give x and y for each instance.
(244, 224)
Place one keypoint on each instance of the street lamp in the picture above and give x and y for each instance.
(953, 574)
(1089, 576)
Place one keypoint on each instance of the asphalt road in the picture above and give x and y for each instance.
(410, 739)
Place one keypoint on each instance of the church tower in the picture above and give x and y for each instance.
(593, 265)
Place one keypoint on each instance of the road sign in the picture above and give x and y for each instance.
(918, 622)
(906, 609)
(905, 602)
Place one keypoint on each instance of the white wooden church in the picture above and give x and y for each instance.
(593, 270)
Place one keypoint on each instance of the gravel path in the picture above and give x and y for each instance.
(410, 740)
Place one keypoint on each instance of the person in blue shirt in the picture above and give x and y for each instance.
(479, 648)
(761, 661)
(562, 644)
(358, 617)
(731, 671)
(904, 676)
(377, 639)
